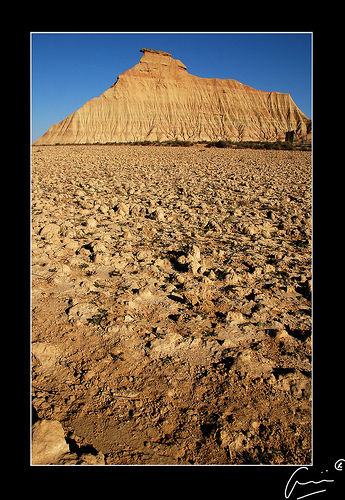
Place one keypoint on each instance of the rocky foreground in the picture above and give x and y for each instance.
(171, 305)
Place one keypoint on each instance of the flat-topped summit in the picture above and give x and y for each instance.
(155, 63)
(158, 100)
(152, 51)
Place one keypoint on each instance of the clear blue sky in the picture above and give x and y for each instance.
(68, 69)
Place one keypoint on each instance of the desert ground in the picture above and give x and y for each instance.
(171, 305)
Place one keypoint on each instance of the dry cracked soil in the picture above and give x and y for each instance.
(171, 305)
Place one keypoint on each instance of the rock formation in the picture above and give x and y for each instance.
(158, 100)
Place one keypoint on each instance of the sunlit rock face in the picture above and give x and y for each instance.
(158, 100)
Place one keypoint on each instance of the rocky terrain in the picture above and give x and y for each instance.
(171, 305)
(158, 100)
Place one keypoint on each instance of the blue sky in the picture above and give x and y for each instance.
(68, 69)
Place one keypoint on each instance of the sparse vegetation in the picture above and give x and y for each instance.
(223, 143)
(278, 145)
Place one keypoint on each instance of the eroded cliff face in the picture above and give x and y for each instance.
(158, 100)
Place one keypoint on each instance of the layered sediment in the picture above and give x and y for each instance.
(158, 100)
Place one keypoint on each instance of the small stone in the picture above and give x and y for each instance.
(48, 442)
(70, 243)
(159, 215)
(281, 335)
(46, 353)
(182, 260)
(103, 209)
(251, 230)
(235, 317)
(102, 258)
(122, 209)
(50, 231)
(195, 253)
(213, 226)
(127, 235)
(82, 313)
(90, 459)
(143, 255)
(99, 247)
(91, 223)
(65, 270)
(194, 267)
